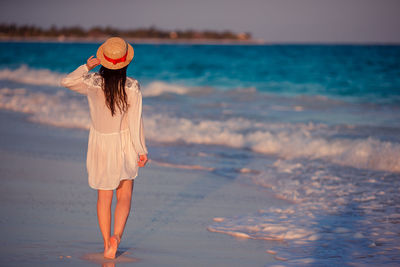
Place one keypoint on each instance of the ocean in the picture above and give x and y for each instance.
(316, 125)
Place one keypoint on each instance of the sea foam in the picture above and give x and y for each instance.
(27, 75)
(287, 140)
(30, 76)
(327, 203)
(276, 139)
(54, 109)
(158, 88)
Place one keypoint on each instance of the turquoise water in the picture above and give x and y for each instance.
(367, 73)
(316, 125)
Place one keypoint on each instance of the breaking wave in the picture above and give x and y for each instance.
(159, 88)
(29, 76)
(287, 140)
(26, 75)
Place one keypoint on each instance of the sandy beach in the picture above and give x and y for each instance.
(49, 212)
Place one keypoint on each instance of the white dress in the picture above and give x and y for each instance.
(114, 141)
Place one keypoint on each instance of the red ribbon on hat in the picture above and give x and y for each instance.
(117, 60)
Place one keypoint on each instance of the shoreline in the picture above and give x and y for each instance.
(50, 211)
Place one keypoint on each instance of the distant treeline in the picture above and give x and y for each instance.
(27, 31)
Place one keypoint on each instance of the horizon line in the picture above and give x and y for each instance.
(260, 42)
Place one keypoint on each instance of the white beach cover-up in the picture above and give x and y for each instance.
(114, 141)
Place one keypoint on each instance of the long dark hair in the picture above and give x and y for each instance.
(114, 88)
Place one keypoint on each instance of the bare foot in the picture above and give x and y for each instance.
(112, 249)
(106, 248)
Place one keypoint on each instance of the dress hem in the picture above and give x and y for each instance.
(114, 187)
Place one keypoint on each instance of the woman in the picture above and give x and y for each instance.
(116, 146)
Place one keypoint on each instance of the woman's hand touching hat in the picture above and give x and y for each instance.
(92, 62)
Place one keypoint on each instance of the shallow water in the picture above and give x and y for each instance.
(318, 126)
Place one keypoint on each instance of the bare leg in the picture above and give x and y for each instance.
(104, 199)
(122, 210)
(123, 207)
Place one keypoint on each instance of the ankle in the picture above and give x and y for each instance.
(118, 237)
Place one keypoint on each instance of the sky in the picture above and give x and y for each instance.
(275, 21)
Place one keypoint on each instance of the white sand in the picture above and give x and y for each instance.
(49, 211)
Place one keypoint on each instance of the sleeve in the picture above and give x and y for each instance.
(136, 123)
(75, 80)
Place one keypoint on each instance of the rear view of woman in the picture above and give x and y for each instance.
(116, 145)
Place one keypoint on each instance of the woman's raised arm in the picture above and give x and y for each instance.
(74, 80)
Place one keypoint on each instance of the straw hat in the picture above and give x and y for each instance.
(115, 53)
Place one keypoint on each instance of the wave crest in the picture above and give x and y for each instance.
(57, 110)
(30, 76)
(26, 75)
(286, 140)
(159, 88)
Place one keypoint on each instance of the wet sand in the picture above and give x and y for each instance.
(49, 211)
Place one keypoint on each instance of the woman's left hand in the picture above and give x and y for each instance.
(142, 160)
(92, 62)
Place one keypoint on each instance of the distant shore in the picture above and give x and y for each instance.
(181, 41)
(131, 40)
(97, 34)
